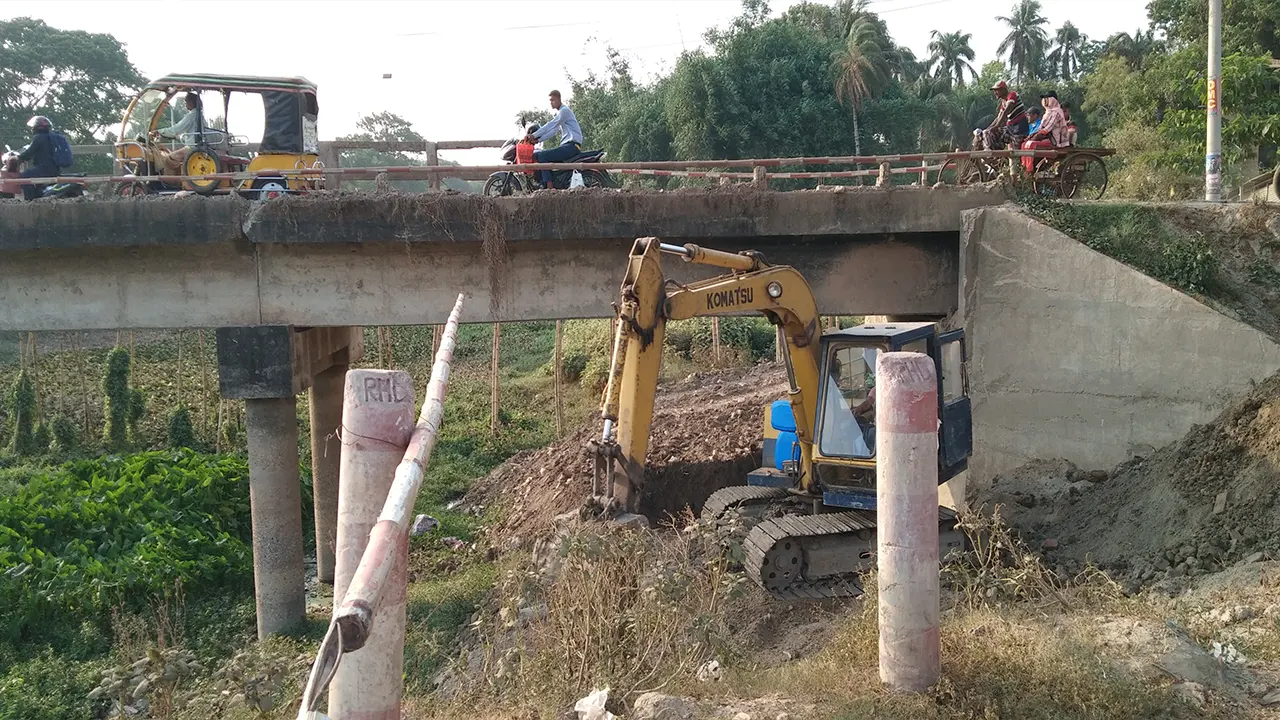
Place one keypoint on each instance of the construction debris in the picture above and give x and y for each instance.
(1206, 502)
(423, 524)
(706, 435)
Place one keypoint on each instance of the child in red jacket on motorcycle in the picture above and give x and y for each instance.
(525, 149)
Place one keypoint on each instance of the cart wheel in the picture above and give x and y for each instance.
(959, 172)
(949, 173)
(202, 162)
(1084, 176)
(270, 188)
(132, 189)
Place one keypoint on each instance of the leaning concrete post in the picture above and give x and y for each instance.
(326, 414)
(907, 512)
(377, 420)
(275, 504)
(379, 579)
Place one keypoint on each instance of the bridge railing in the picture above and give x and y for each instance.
(762, 169)
(331, 153)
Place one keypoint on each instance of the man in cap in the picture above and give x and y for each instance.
(1009, 127)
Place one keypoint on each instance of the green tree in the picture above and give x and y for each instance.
(1133, 49)
(1248, 26)
(390, 127)
(861, 69)
(952, 56)
(1069, 44)
(81, 80)
(1026, 42)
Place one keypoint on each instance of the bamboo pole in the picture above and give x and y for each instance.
(715, 341)
(180, 368)
(493, 381)
(557, 370)
(35, 376)
(205, 415)
(84, 389)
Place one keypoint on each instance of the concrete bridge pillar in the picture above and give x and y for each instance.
(267, 366)
(276, 505)
(325, 402)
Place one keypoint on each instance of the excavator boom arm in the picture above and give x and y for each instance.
(780, 293)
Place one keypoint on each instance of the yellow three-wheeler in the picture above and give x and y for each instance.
(178, 125)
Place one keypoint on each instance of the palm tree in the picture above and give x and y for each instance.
(903, 65)
(952, 55)
(1026, 42)
(1069, 42)
(944, 120)
(1132, 48)
(861, 68)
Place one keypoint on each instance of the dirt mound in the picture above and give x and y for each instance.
(1197, 505)
(706, 435)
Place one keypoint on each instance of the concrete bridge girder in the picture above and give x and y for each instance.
(399, 260)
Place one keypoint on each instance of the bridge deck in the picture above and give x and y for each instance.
(352, 259)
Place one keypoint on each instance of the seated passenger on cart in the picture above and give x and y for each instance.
(1052, 132)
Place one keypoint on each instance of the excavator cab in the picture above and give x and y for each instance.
(844, 461)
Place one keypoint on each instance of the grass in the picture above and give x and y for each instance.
(1138, 236)
(50, 674)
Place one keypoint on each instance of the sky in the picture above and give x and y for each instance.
(462, 70)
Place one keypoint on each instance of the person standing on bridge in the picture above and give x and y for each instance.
(565, 123)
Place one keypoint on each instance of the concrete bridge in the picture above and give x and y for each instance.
(288, 283)
(1072, 354)
(391, 259)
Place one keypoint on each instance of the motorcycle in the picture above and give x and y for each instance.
(11, 180)
(510, 182)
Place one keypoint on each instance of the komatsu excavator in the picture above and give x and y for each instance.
(813, 503)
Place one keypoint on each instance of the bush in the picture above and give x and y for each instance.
(42, 438)
(23, 404)
(66, 436)
(98, 532)
(115, 385)
(182, 433)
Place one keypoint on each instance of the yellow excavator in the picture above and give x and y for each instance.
(812, 505)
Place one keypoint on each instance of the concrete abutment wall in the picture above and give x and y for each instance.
(1075, 355)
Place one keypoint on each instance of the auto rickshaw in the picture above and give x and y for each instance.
(289, 138)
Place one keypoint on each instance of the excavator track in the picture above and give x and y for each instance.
(734, 497)
(810, 557)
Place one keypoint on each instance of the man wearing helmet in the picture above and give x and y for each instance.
(1009, 128)
(38, 155)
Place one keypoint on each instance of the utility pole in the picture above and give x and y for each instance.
(1213, 129)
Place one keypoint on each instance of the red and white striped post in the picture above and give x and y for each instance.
(907, 513)
(377, 421)
(378, 582)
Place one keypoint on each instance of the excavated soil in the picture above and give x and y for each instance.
(706, 435)
(1205, 502)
